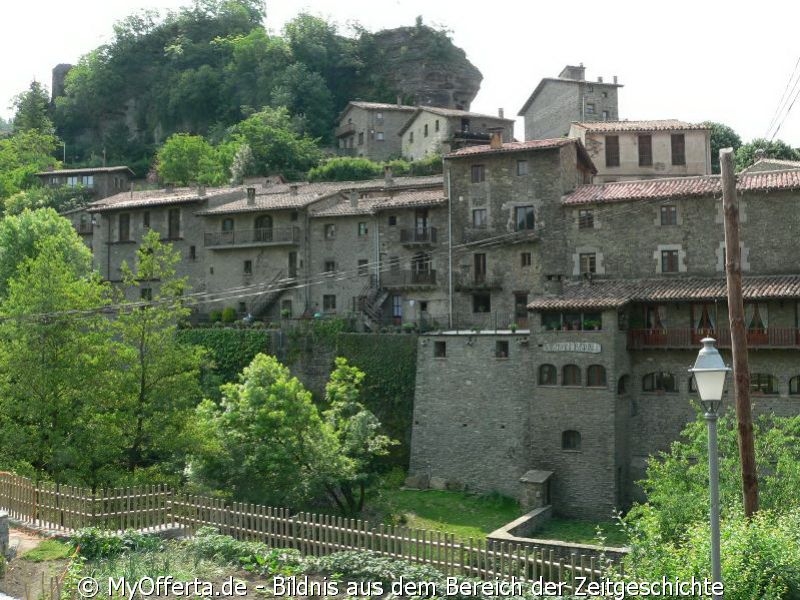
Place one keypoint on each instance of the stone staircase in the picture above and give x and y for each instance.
(370, 301)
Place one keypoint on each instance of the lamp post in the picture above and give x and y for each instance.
(709, 375)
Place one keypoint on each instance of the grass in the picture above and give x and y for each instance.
(582, 532)
(48, 550)
(465, 515)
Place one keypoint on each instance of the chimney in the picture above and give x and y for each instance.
(599, 80)
(293, 190)
(265, 183)
(251, 196)
(399, 100)
(387, 176)
(201, 190)
(496, 141)
(615, 79)
(353, 199)
(501, 113)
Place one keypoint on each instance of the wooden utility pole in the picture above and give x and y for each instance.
(741, 366)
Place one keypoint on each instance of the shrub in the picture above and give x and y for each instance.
(94, 543)
(252, 556)
(215, 316)
(345, 168)
(229, 315)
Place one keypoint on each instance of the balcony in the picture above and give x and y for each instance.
(408, 279)
(251, 238)
(84, 228)
(346, 129)
(772, 337)
(422, 236)
(472, 235)
(467, 282)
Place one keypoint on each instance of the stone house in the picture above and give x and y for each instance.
(559, 101)
(598, 382)
(432, 130)
(102, 182)
(370, 129)
(626, 150)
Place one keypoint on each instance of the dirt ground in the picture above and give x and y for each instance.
(24, 578)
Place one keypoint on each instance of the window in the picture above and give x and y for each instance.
(645, 151)
(571, 375)
(572, 321)
(523, 217)
(481, 302)
(612, 150)
(669, 261)
(425, 130)
(692, 384)
(678, 149)
(479, 264)
(669, 214)
(88, 181)
(605, 94)
(590, 88)
(329, 302)
(411, 138)
(547, 375)
(439, 348)
(571, 440)
(588, 262)
(522, 167)
(192, 252)
(330, 266)
(525, 259)
(124, 227)
(605, 114)
(72, 181)
(596, 376)
(501, 349)
(397, 306)
(763, 383)
(392, 220)
(242, 308)
(659, 382)
(622, 385)
(362, 229)
(478, 173)
(146, 220)
(293, 216)
(479, 218)
(248, 267)
(794, 386)
(146, 294)
(361, 138)
(585, 218)
(363, 268)
(379, 136)
(174, 223)
(330, 231)
(590, 108)
(227, 225)
(436, 125)
(379, 116)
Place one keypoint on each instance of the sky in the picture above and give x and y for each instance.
(694, 61)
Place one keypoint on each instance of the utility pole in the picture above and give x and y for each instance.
(741, 366)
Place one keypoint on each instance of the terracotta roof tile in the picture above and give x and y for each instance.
(771, 164)
(513, 147)
(653, 125)
(373, 205)
(88, 170)
(616, 293)
(142, 199)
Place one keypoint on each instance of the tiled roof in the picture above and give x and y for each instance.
(374, 106)
(141, 199)
(451, 112)
(645, 189)
(513, 147)
(88, 170)
(373, 205)
(658, 125)
(616, 293)
(771, 164)
(706, 185)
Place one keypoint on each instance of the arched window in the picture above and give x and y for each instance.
(571, 375)
(794, 386)
(763, 383)
(659, 382)
(547, 375)
(596, 376)
(570, 440)
(623, 384)
(263, 229)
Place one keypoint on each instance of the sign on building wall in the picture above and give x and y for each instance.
(589, 347)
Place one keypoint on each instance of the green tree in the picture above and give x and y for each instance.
(746, 154)
(32, 110)
(345, 168)
(21, 156)
(58, 198)
(185, 159)
(21, 237)
(53, 376)
(158, 376)
(722, 136)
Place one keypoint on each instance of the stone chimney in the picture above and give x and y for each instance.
(501, 113)
(201, 190)
(599, 80)
(615, 79)
(265, 183)
(572, 72)
(496, 141)
(251, 196)
(388, 181)
(293, 189)
(353, 199)
(399, 100)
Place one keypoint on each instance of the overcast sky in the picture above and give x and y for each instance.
(694, 60)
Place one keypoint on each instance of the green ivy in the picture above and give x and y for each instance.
(231, 351)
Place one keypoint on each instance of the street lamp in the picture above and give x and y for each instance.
(709, 376)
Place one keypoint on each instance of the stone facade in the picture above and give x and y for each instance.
(558, 101)
(646, 149)
(370, 129)
(100, 181)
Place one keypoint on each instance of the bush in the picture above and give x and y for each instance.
(346, 169)
(94, 543)
(252, 556)
(430, 165)
(229, 315)
(215, 316)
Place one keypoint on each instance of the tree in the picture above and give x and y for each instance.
(746, 154)
(722, 136)
(185, 159)
(33, 110)
(157, 375)
(53, 377)
(21, 156)
(21, 238)
(58, 198)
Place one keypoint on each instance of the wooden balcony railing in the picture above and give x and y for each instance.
(253, 237)
(772, 337)
(418, 235)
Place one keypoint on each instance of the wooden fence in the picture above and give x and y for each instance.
(67, 508)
